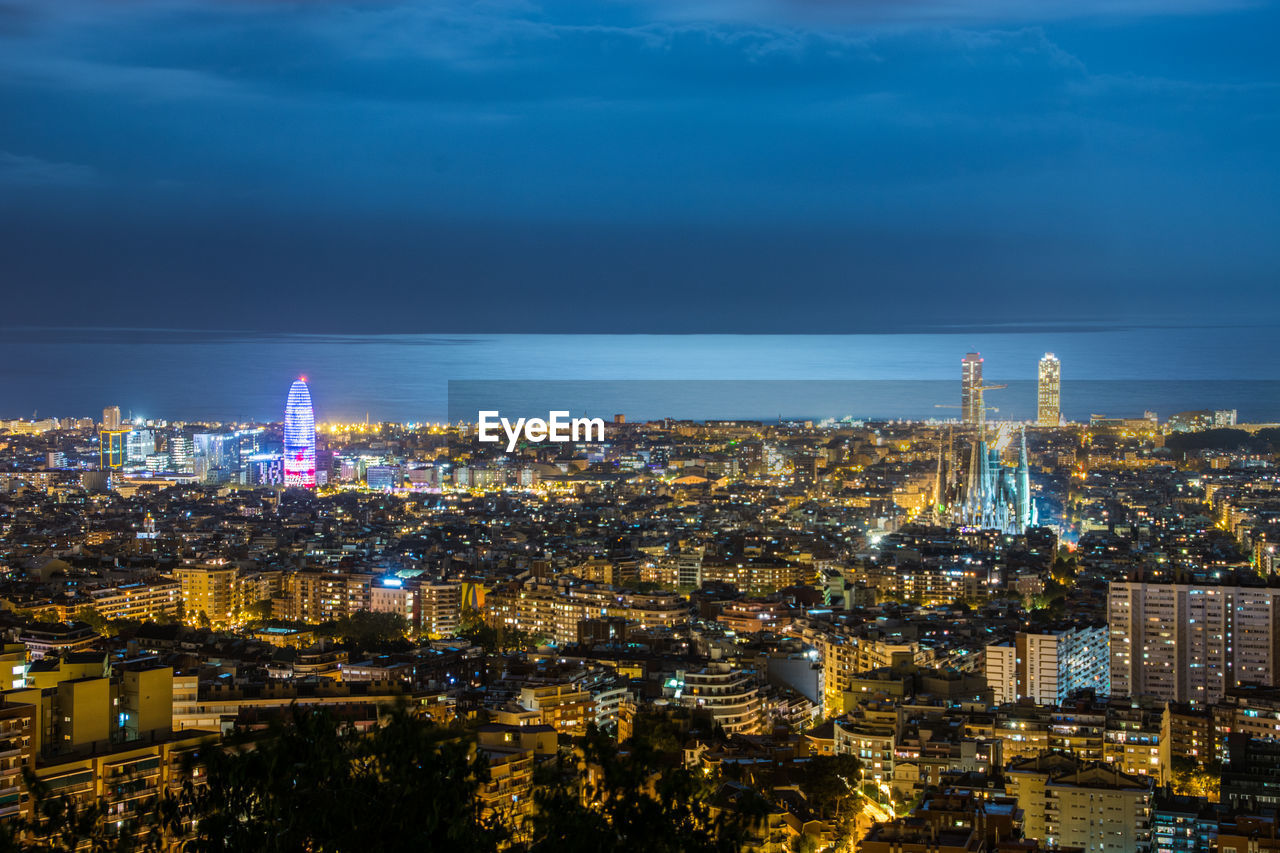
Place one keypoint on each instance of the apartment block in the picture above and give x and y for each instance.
(1048, 668)
(1190, 643)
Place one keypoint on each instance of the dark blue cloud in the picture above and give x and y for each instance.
(707, 159)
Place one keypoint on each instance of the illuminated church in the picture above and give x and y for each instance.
(992, 496)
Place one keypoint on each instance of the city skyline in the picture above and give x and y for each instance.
(534, 426)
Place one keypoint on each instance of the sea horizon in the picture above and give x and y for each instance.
(194, 375)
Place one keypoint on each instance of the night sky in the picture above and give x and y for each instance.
(611, 165)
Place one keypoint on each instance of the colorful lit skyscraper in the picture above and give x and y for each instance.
(1048, 399)
(972, 408)
(299, 438)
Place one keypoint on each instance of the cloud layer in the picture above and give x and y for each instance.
(843, 150)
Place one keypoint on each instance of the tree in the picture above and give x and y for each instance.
(1192, 779)
(259, 611)
(315, 784)
(472, 627)
(827, 780)
(1065, 569)
(366, 629)
(660, 732)
(632, 801)
(58, 823)
(493, 640)
(311, 784)
(90, 616)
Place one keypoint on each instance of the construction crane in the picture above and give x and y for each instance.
(980, 391)
(954, 406)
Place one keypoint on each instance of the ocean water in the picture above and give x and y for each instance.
(238, 376)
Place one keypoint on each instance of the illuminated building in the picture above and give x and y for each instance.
(101, 739)
(1048, 396)
(209, 592)
(550, 611)
(996, 497)
(56, 639)
(384, 478)
(181, 451)
(17, 725)
(13, 666)
(299, 438)
(440, 607)
(139, 600)
(1049, 667)
(727, 695)
(973, 411)
(1191, 642)
(1081, 805)
(215, 457)
(564, 706)
(111, 418)
(111, 449)
(138, 445)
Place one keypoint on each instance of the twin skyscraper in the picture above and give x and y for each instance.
(972, 391)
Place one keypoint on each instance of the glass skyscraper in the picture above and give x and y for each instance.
(972, 407)
(299, 438)
(1048, 399)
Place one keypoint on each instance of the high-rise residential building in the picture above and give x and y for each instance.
(299, 438)
(1048, 668)
(1048, 397)
(1182, 642)
(972, 408)
(215, 456)
(209, 592)
(181, 451)
(729, 696)
(138, 445)
(440, 606)
(111, 418)
(111, 449)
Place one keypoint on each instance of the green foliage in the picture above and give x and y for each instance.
(259, 612)
(1065, 570)
(315, 785)
(90, 616)
(828, 780)
(311, 784)
(633, 801)
(368, 630)
(474, 628)
(1223, 438)
(1192, 779)
(660, 733)
(57, 823)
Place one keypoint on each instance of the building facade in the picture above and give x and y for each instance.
(973, 409)
(1048, 668)
(1048, 391)
(1190, 642)
(299, 438)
